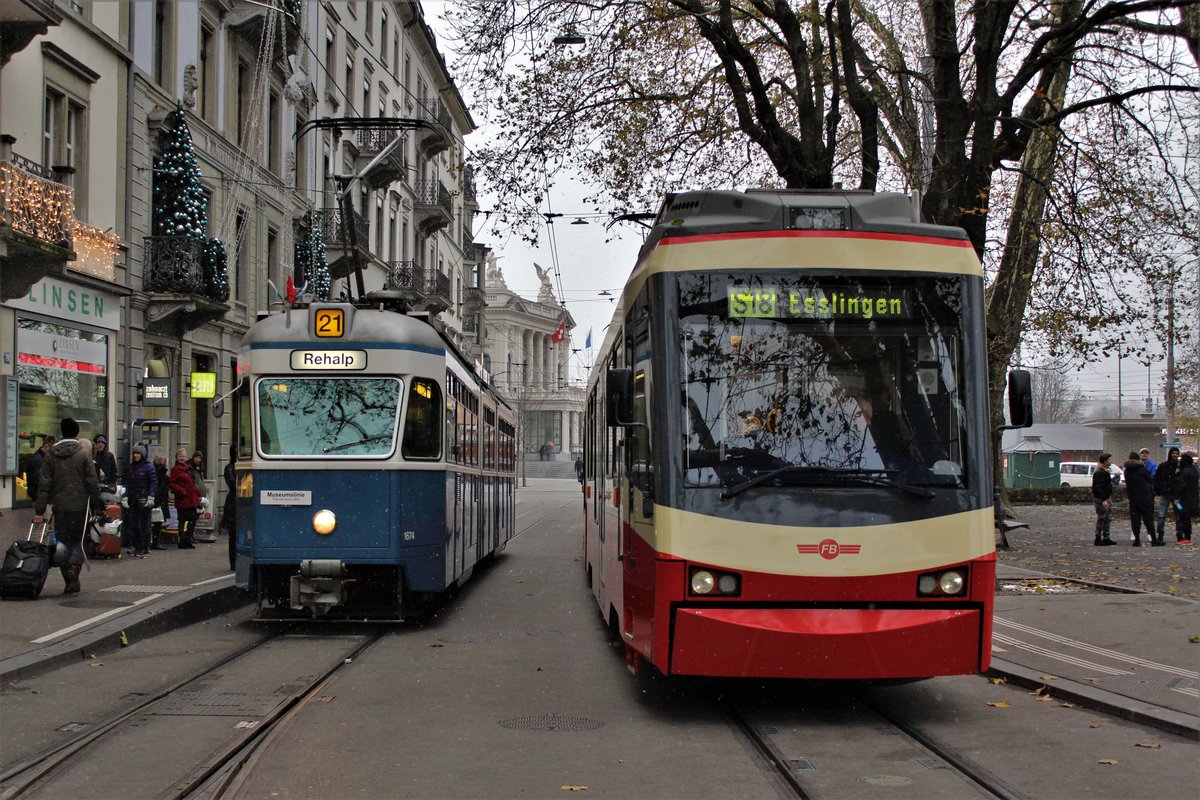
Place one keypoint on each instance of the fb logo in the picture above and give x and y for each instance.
(828, 549)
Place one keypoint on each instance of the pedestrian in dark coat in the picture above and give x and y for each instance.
(68, 483)
(106, 464)
(229, 513)
(1187, 492)
(162, 501)
(1102, 490)
(141, 487)
(187, 498)
(1140, 488)
(35, 469)
(1164, 476)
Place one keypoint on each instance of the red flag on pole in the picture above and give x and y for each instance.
(561, 333)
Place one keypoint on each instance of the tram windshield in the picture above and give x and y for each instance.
(822, 380)
(328, 417)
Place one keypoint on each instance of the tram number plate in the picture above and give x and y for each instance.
(330, 323)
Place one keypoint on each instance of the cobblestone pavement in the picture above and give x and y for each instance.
(1059, 541)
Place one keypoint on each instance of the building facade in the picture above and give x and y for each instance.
(186, 159)
(526, 347)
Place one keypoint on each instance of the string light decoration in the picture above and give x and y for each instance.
(180, 207)
(95, 252)
(215, 266)
(35, 206)
(311, 266)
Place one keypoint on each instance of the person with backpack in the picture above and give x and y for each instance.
(1140, 489)
(1164, 477)
(1187, 493)
(69, 485)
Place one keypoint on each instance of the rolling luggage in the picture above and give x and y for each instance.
(26, 565)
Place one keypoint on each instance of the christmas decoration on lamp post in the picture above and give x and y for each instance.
(311, 267)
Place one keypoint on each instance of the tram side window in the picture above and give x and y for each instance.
(244, 425)
(422, 422)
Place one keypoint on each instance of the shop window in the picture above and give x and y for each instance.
(63, 372)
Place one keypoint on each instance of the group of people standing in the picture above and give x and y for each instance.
(1155, 492)
(77, 479)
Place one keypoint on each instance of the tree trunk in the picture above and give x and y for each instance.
(1009, 294)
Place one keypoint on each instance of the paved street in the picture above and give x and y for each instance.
(1059, 541)
(514, 690)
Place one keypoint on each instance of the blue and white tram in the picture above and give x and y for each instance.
(375, 467)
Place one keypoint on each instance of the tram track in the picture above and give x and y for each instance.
(834, 751)
(37, 774)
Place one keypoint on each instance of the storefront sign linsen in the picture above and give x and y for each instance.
(67, 301)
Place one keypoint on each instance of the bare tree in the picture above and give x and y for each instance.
(674, 93)
(1056, 396)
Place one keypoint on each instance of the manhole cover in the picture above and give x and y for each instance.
(551, 722)
(141, 589)
(1128, 682)
(466, 638)
(95, 604)
(218, 704)
(886, 780)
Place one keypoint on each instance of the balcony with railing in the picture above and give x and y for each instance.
(433, 208)
(437, 292)
(174, 281)
(37, 221)
(470, 196)
(435, 136)
(387, 170)
(342, 240)
(407, 277)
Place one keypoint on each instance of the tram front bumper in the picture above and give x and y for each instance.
(320, 586)
(837, 643)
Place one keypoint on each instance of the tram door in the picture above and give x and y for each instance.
(638, 540)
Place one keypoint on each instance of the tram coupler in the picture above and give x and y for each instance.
(320, 586)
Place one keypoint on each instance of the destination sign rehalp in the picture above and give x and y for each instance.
(329, 359)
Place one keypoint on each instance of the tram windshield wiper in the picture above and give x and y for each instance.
(864, 477)
(333, 448)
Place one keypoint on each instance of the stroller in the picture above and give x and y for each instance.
(103, 537)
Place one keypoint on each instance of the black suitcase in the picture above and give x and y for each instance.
(26, 565)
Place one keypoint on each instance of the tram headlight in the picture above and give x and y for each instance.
(704, 581)
(951, 582)
(324, 522)
(947, 583)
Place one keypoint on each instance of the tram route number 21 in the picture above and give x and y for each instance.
(330, 323)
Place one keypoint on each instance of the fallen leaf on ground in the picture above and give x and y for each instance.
(1001, 704)
(1068, 705)
(1045, 699)
(1149, 745)
(574, 788)
(997, 681)
(1108, 761)
(1095, 725)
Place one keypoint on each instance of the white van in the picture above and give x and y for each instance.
(1079, 473)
